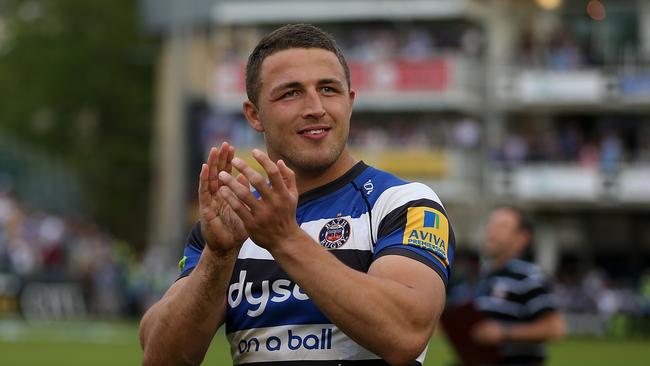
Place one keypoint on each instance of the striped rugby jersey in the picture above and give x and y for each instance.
(517, 293)
(359, 217)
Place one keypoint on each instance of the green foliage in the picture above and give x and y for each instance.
(76, 83)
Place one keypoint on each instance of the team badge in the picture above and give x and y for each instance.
(335, 233)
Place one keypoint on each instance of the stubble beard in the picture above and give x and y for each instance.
(308, 164)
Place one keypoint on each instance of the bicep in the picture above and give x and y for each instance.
(424, 287)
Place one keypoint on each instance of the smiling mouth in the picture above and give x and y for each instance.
(314, 131)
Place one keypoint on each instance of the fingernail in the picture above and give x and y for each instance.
(223, 175)
(236, 161)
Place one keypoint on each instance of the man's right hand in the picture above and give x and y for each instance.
(222, 229)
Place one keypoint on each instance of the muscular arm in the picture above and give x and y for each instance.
(547, 327)
(177, 330)
(392, 310)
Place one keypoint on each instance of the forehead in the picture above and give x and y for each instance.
(302, 65)
(504, 215)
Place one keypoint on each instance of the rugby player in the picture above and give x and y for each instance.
(329, 261)
(514, 295)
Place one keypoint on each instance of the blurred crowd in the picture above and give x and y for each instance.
(373, 42)
(561, 51)
(401, 132)
(595, 292)
(377, 43)
(588, 144)
(572, 42)
(37, 246)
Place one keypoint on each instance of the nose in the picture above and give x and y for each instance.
(313, 106)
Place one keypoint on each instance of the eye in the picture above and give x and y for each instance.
(290, 93)
(328, 90)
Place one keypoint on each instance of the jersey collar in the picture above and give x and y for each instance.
(334, 185)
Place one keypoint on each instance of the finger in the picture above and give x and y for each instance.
(223, 157)
(243, 180)
(213, 170)
(242, 192)
(288, 176)
(256, 179)
(231, 155)
(205, 198)
(235, 204)
(277, 183)
(203, 182)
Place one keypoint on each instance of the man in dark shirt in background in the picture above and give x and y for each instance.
(513, 294)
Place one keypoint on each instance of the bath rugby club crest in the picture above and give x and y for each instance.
(334, 234)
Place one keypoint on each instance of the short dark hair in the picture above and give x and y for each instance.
(284, 38)
(525, 222)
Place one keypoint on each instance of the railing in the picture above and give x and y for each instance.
(604, 88)
(572, 183)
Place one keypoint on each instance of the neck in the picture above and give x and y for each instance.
(306, 181)
(499, 262)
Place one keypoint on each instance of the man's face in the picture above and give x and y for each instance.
(304, 108)
(502, 233)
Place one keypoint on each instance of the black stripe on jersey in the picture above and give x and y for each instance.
(267, 269)
(326, 363)
(413, 255)
(396, 219)
(503, 316)
(334, 185)
(258, 270)
(527, 296)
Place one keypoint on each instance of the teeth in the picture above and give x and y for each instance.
(314, 132)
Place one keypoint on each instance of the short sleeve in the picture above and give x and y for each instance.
(415, 224)
(192, 252)
(539, 300)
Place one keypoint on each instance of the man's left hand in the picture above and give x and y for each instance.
(271, 219)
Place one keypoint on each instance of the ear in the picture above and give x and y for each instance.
(252, 115)
(351, 95)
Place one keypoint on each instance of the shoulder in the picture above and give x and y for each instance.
(527, 271)
(385, 191)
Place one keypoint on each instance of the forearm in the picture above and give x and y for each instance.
(178, 329)
(550, 327)
(382, 315)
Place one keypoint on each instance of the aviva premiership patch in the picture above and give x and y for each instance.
(427, 228)
(334, 234)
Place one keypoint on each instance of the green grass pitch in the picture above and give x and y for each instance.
(116, 343)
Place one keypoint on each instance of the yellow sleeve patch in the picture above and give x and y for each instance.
(427, 228)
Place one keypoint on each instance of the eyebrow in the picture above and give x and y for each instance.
(287, 85)
(297, 84)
